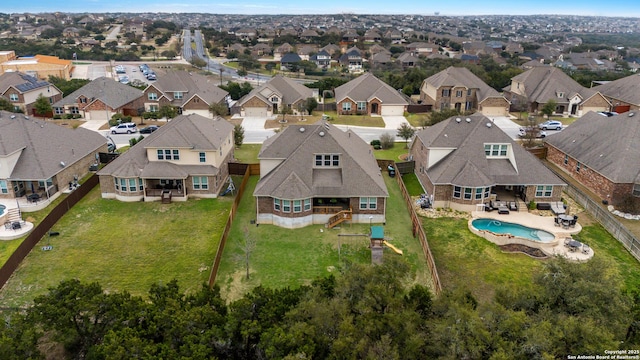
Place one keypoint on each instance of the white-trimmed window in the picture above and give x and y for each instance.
(307, 204)
(487, 192)
(123, 185)
(168, 154)
(58, 111)
(457, 192)
(478, 194)
(3, 187)
(286, 205)
(467, 193)
(203, 157)
(276, 204)
(74, 110)
(346, 106)
(297, 206)
(140, 184)
(370, 203)
(14, 97)
(132, 185)
(153, 108)
(362, 106)
(177, 95)
(152, 96)
(446, 92)
(458, 93)
(578, 167)
(636, 189)
(200, 183)
(327, 160)
(544, 190)
(496, 150)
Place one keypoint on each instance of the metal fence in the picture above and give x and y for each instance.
(607, 220)
(44, 227)
(603, 216)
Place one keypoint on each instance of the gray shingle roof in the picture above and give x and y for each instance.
(192, 132)
(288, 90)
(44, 146)
(110, 92)
(467, 165)
(542, 84)
(462, 77)
(624, 89)
(608, 145)
(367, 87)
(296, 177)
(190, 84)
(22, 82)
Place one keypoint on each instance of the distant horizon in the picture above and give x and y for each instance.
(613, 8)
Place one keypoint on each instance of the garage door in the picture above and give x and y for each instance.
(494, 111)
(389, 110)
(255, 111)
(98, 115)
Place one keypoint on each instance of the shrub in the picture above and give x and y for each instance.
(532, 205)
(57, 117)
(387, 141)
(375, 143)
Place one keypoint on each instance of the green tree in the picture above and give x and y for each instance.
(549, 108)
(197, 62)
(6, 105)
(387, 141)
(438, 116)
(236, 90)
(220, 109)
(42, 106)
(310, 104)
(238, 136)
(167, 111)
(169, 54)
(68, 86)
(406, 132)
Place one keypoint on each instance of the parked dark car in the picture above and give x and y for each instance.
(149, 129)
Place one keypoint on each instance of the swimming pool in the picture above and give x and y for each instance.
(502, 227)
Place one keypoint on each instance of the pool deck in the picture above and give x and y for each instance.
(545, 223)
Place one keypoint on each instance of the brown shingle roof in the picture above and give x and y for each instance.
(462, 77)
(111, 92)
(466, 163)
(366, 87)
(296, 177)
(624, 89)
(191, 84)
(44, 146)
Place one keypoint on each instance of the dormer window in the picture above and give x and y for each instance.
(274, 100)
(327, 160)
(495, 150)
(560, 95)
(177, 95)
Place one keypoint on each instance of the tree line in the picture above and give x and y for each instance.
(364, 312)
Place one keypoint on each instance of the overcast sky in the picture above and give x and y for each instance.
(627, 8)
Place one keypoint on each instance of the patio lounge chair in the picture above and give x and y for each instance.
(567, 241)
(503, 210)
(556, 221)
(513, 206)
(558, 208)
(585, 249)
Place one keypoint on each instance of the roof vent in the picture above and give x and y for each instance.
(458, 120)
(301, 129)
(631, 114)
(326, 126)
(489, 124)
(12, 116)
(321, 133)
(467, 120)
(62, 164)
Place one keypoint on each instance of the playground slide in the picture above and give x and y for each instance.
(393, 247)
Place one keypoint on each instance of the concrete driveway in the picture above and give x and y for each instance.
(393, 122)
(507, 125)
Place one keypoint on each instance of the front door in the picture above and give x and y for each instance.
(374, 108)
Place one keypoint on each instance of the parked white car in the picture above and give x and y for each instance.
(124, 128)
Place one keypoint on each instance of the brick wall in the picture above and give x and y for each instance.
(353, 110)
(196, 103)
(80, 168)
(594, 181)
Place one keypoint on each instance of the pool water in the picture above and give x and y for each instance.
(501, 227)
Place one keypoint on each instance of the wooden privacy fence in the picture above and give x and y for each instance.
(43, 228)
(249, 169)
(418, 231)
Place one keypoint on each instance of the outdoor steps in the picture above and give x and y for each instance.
(13, 215)
(338, 218)
(522, 206)
(166, 197)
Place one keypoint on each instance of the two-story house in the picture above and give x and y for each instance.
(310, 174)
(460, 89)
(463, 161)
(22, 91)
(352, 60)
(189, 93)
(322, 59)
(187, 157)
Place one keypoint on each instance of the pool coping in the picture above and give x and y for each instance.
(546, 223)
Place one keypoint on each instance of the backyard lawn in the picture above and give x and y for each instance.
(283, 257)
(465, 260)
(124, 246)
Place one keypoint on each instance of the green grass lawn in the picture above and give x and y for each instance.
(293, 257)
(417, 120)
(412, 184)
(355, 120)
(247, 153)
(465, 260)
(124, 246)
(394, 153)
